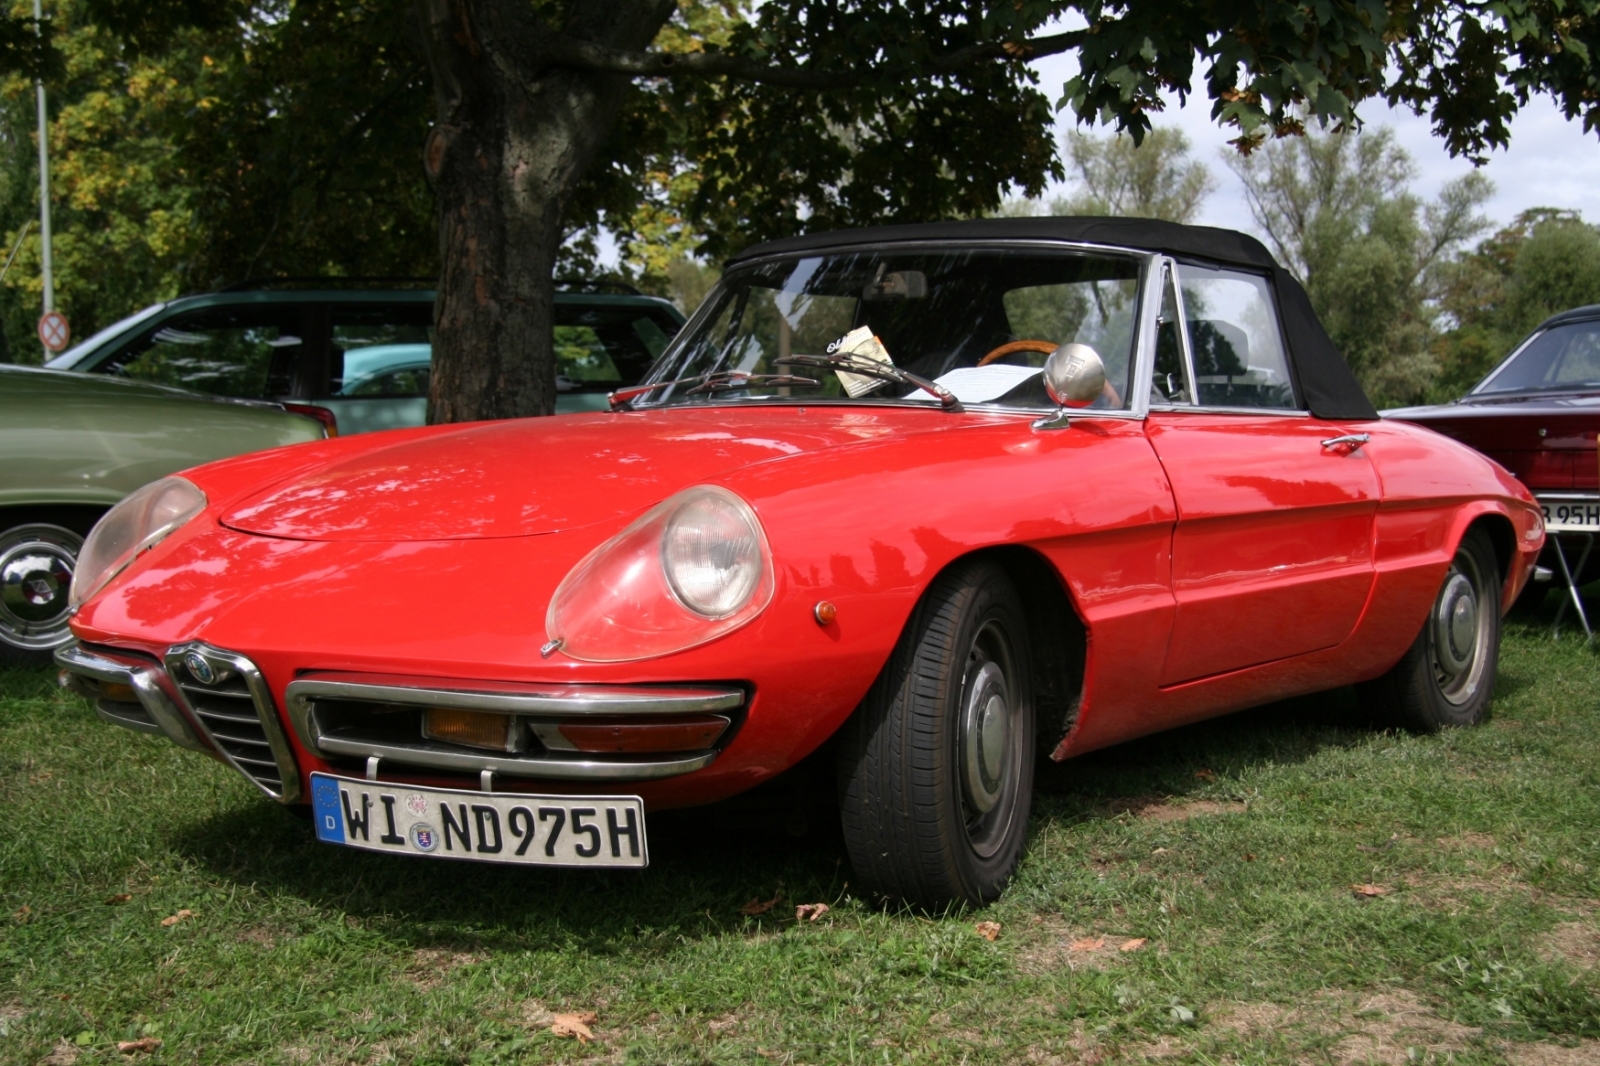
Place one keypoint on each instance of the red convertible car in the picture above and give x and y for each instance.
(955, 496)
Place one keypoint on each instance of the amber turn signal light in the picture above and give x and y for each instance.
(118, 693)
(679, 734)
(474, 729)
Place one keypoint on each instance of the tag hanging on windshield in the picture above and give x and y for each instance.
(861, 343)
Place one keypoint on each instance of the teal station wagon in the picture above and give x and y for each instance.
(360, 356)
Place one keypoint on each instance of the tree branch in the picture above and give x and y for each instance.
(586, 55)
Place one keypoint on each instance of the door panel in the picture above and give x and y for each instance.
(1272, 552)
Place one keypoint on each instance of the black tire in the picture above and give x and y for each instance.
(1446, 677)
(936, 765)
(36, 564)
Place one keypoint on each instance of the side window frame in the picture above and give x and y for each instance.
(1168, 280)
(1283, 342)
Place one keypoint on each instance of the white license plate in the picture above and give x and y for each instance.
(445, 823)
(1562, 516)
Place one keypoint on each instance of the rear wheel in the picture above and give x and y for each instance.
(1447, 675)
(936, 765)
(36, 565)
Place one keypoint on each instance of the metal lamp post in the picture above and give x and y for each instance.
(44, 181)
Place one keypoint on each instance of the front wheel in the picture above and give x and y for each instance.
(1447, 675)
(36, 565)
(936, 765)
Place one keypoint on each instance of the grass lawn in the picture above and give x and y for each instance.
(1221, 857)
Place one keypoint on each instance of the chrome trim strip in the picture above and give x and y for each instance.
(1272, 412)
(302, 694)
(503, 698)
(266, 715)
(146, 684)
(510, 765)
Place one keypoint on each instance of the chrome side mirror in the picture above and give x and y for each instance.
(1074, 375)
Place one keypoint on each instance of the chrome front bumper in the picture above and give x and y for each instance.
(535, 703)
(234, 720)
(233, 717)
(161, 715)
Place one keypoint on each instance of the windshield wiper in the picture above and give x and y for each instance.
(872, 368)
(708, 384)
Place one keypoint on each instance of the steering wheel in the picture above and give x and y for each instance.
(1107, 392)
(1018, 346)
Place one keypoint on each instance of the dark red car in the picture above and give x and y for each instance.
(1537, 415)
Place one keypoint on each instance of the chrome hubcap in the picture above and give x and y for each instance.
(988, 745)
(36, 564)
(986, 729)
(1460, 635)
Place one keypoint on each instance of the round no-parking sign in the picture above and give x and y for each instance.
(53, 330)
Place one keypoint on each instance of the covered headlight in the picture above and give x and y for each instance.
(141, 521)
(693, 568)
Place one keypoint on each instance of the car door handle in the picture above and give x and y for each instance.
(1350, 441)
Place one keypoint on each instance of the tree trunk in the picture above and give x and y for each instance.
(512, 140)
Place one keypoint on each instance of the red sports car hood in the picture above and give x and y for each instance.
(539, 475)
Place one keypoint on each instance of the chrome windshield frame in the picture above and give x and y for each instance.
(1143, 343)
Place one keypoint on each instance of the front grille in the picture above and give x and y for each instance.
(236, 711)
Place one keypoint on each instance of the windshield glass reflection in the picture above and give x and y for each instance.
(978, 322)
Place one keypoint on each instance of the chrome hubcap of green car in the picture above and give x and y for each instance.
(36, 564)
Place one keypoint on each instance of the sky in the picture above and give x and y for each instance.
(1550, 163)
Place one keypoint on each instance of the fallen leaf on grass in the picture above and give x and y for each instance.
(1369, 891)
(22, 914)
(130, 1047)
(990, 931)
(120, 897)
(1133, 945)
(1088, 943)
(174, 919)
(760, 906)
(575, 1025)
(1206, 775)
(810, 911)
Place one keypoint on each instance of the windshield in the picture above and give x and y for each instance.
(66, 359)
(977, 322)
(1561, 358)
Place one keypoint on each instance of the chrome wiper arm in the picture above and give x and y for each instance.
(716, 381)
(871, 368)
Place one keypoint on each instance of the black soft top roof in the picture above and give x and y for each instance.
(1329, 388)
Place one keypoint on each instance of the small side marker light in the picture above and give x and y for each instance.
(825, 612)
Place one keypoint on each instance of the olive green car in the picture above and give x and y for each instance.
(71, 445)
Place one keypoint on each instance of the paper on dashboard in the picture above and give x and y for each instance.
(980, 384)
(862, 344)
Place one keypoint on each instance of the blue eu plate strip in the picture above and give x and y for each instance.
(325, 809)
